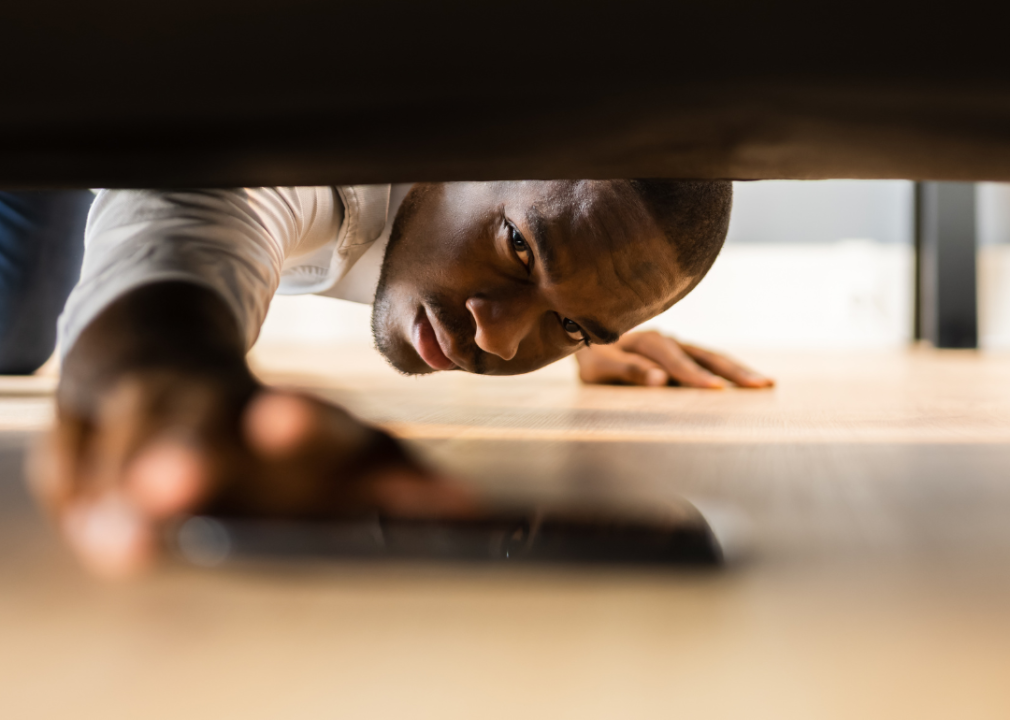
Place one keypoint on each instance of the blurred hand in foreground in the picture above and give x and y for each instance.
(655, 360)
(150, 429)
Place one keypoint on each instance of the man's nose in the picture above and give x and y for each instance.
(501, 325)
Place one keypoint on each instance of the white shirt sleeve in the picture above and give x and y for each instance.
(233, 242)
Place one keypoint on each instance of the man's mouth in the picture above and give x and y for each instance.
(426, 343)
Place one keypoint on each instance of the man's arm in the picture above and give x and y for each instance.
(158, 413)
(233, 242)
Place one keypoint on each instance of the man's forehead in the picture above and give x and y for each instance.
(618, 303)
(583, 215)
(583, 229)
(569, 199)
(618, 268)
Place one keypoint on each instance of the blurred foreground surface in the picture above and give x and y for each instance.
(866, 501)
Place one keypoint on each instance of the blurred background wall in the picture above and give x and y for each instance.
(993, 223)
(807, 264)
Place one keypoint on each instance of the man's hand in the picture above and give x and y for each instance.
(156, 425)
(652, 359)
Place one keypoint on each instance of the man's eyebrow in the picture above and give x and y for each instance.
(603, 336)
(544, 248)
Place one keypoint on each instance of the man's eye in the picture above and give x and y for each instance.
(574, 330)
(519, 247)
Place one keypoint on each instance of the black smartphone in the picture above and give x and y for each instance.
(567, 536)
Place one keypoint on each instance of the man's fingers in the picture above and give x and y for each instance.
(727, 368)
(145, 459)
(54, 465)
(637, 370)
(109, 536)
(277, 424)
(600, 365)
(669, 355)
(406, 494)
(168, 477)
(113, 530)
(687, 365)
(312, 459)
(125, 421)
(280, 424)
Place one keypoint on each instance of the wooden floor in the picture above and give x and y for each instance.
(865, 504)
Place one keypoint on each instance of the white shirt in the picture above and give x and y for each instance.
(245, 244)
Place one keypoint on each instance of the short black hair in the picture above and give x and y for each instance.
(694, 216)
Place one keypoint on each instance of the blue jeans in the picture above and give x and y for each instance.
(41, 248)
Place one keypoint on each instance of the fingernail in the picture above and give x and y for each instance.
(166, 478)
(110, 536)
(277, 423)
(655, 377)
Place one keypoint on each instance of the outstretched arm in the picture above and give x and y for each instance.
(158, 413)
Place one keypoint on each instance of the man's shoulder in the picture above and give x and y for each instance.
(366, 211)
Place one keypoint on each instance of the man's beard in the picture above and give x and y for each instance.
(383, 329)
(382, 335)
(458, 327)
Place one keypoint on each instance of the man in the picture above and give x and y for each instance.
(159, 414)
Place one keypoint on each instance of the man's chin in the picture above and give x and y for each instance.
(402, 356)
(390, 343)
(409, 369)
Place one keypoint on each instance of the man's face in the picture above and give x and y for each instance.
(505, 278)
